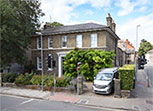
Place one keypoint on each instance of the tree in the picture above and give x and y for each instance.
(55, 24)
(19, 21)
(91, 62)
(145, 46)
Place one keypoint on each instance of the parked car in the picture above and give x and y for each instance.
(104, 80)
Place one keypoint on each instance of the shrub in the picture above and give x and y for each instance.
(91, 62)
(126, 75)
(10, 77)
(36, 80)
(48, 81)
(24, 79)
(61, 82)
(20, 80)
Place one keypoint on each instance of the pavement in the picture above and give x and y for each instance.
(141, 100)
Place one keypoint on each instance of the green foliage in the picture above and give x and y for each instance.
(61, 82)
(24, 79)
(91, 62)
(10, 77)
(126, 75)
(36, 80)
(145, 46)
(20, 80)
(55, 24)
(19, 21)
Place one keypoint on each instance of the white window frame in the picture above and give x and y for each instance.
(64, 39)
(79, 41)
(39, 43)
(50, 39)
(94, 40)
(50, 69)
(39, 64)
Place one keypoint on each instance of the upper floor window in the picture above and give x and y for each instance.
(39, 43)
(50, 62)
(93, 40)
(39, 65)
(64, 41)
(50, 42)
(79, 41)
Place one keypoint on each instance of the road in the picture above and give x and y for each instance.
(13, 103)
(149, 70)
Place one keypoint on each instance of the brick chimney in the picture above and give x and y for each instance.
(110, 22)
(46, 25)
(113, 26)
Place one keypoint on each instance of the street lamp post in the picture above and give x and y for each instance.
(136, 50)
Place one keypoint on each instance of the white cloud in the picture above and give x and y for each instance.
(62, 10)
(145, 31)
(127, 6)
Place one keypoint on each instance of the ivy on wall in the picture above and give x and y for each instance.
(91, 62)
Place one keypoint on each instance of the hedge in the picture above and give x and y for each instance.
(126, 76)
(9, 77)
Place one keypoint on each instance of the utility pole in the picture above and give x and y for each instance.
(42, 71)
(136, 50)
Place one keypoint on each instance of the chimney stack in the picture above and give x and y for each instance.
(110, 22)
(46, 25)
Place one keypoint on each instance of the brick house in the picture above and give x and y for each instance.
(58, 41)
(126, 52)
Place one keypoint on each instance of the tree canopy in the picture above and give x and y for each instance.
(19, 21)
(55, 24)
(145, 46)
(91, 62)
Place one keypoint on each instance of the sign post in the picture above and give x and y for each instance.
(78, 69)
(54, 65)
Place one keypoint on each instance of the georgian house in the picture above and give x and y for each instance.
(58, 41)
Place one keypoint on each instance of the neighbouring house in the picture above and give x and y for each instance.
(126, 52)
(149, 56)
(58, 41)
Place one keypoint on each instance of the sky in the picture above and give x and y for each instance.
(127, 14)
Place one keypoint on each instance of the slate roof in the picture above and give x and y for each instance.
(73, 28)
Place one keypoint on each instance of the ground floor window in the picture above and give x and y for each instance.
(39, 65)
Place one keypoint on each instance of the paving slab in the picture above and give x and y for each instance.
(25, 92)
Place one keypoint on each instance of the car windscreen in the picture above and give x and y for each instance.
(104, 76)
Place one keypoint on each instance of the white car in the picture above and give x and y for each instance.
(104, 80)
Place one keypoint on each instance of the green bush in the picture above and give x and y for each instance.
(10, 77)
(126, 76)
(91, 62)
(20, 80)
(61, 82)
(24, 79)
(36, 80)
(48, 81)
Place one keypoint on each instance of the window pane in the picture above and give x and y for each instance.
(50, 42)
(93, 40)
(64, 41)
(39, 43)
(79, 41)
(50, 62)
(39, 65)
